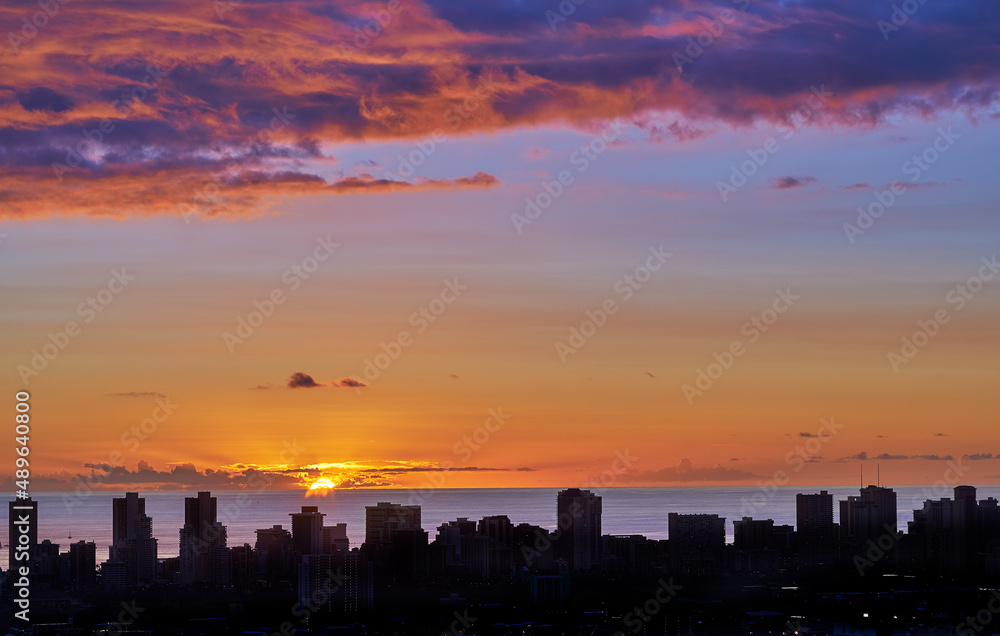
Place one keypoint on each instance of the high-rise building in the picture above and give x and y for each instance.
(335, 539)
(816, 533)
(203, 554)
(132, 540)
(275, 553)
(307, 530)
(340, 583)
(82, 565)
(22, 522)
(383, 519)
(865, 519)
(696, 543)
(753, 534)
(579, 522)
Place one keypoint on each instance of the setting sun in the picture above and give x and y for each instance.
(322, 484)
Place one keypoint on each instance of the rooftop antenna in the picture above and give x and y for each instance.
(878, 474)
(862, 475)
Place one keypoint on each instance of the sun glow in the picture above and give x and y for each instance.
(322, 484)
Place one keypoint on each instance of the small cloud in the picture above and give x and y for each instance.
(881, 436)
(786, 183)
(349, 383)
(650, 374)
(935, 457)
(808, 435)
(734, 459)
(940, 435)
(890, 456)
(138, 394)
(301, 380)
(860, 456)
(261, 387)
(453, 376)
(979, 456)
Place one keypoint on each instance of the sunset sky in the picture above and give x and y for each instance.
(466, 184)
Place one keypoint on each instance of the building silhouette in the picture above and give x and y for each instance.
(579, 523)
(383, 519)
(133, 545)
(307, 530)
(867, 518)
(817, 536)
(203, 554)
(696, 542)
(82, 565)
(275, 553)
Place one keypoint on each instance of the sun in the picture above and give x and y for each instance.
(322, 484)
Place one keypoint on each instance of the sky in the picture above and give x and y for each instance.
(432, 243)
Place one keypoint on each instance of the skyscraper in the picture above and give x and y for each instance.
(816, 534)
(132, 539)
(579, 521)
(696, 542)
(82, 565)
(307, 530)
(383, 519)
(203, 554)
(866, 518)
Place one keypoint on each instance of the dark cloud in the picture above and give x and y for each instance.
(301, 380)
(229, 99)
(103, 476)
(978, 456)
(41, 98)
(349, 382)
(785, 183)
(686, 472)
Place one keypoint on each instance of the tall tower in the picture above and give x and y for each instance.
(132, 539)
(203, 553)
(579, 522)
(816, 532)
(307, 530)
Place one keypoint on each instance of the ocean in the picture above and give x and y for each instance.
(625, 510)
